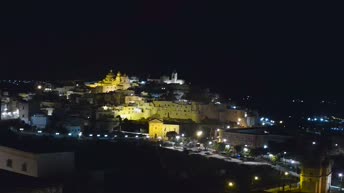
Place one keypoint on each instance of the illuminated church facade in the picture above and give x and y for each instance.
(111, 83)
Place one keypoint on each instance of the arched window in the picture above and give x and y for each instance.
(9, 163)
(24, 167)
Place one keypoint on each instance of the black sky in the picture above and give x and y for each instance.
(265, 47)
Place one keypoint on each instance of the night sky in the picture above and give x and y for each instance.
(268, 48)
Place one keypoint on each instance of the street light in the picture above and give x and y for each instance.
(245, 149)
(210, 143)
(340, 175)
(230, 184)
(256, 178)
(177, 137)
(199, 133)
(225, 140)
(313, 143)
(286, 173)
(265, 146)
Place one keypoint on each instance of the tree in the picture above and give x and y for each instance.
(171, 134)
(120, 122)
(256, 152)
(238, 148)
(219, 147)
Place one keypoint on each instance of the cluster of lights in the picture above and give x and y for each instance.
(14, 114)
(337, 129)
(267, 121)
(319, 119)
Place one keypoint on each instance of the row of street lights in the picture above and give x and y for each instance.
(231, 184)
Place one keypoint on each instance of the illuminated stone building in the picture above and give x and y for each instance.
(184, 111)
(173, 80)
(111, 83)
(158, 130)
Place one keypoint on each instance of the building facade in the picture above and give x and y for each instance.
(36, 164)
(158, 130)
(316, 179)
(195, 112)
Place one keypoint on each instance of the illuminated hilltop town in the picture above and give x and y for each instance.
(102, 106)
(165, 110)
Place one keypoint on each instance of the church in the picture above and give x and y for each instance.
(111, 83)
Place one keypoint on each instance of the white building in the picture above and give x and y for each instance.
(36, 164)
(174, 79)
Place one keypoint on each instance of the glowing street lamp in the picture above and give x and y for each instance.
(265, 146)
(340, 175)
(231, 184)
(245, 149)
(199, 133)
(177, 137)
(210, 143)
(256, 178)
(225, 140)
(39, 87)
(286, 173)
